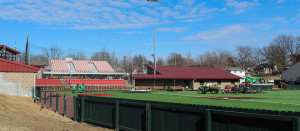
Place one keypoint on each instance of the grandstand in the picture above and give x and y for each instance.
(95, 75)
(82, 69)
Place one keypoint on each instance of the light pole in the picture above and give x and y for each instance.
(154, 56)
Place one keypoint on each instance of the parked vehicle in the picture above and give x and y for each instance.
(212, 89)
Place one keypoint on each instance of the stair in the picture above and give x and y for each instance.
(67, 85)
(94, 69)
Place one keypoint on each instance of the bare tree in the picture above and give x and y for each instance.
(282, 52)
(105, 55)
(79, 56)
(244, 56)
(160, 61)
(188, 59)
(175, 59)
(38, 60)
(53, 52)
(139, 61)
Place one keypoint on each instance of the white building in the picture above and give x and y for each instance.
(237, 71)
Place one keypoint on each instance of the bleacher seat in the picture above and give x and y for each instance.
(96, 82)
(48, 82)
(103, 66)
(59, 66)
(82, 66)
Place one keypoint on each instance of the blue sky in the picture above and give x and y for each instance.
(126, 26)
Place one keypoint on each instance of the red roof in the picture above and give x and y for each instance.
(179, 72)
(12, 66)
(10, 49)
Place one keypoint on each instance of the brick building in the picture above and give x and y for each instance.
(17, 78)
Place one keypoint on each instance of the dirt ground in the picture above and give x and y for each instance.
(21, 114)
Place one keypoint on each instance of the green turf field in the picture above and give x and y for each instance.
(282, 100)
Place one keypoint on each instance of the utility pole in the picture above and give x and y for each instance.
(153, 55)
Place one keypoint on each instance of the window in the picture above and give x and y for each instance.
(219, 82)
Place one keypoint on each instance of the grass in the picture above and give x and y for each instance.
(282, 100)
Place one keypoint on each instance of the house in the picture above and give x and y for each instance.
(187, 77)
(239, 72)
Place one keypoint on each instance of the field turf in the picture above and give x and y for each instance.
(282, 100)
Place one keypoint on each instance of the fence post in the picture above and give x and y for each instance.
(75, 108)
(117, 126)
(40, 96)
(296, 124)
(65, 105)
(45, 98)
(82, 109)
(208, 120)
(57, 102)
(50, 99)
(148, 117)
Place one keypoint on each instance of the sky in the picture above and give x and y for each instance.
(126, 27)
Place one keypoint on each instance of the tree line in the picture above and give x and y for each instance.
(281, 53)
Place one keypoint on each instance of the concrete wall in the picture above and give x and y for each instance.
(20, 84)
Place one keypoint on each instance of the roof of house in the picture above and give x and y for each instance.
(234, 69)
(10, 49)
(179, 72)
(12, 66)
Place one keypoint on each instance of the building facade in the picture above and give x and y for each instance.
(183, 77)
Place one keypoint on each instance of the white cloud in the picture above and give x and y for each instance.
(222, 33)
(240, 7)
(188, 2)
(174, 29)
(74, 14)
(95, 14)
(193, 20)
(280, 1)
(263, 25)
(279, 19)
(131, 32)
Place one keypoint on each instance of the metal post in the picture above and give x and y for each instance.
(82, 109)
(50, 99)
(117, 126)
(148, 117)
(65, 105)
(154, 43)
(75, 108)
(57, 102)
(41, 96)
(208, 120)
(45, 98)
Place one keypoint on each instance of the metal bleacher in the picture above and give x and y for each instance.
(78, 66)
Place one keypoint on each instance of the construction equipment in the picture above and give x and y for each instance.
(209, 88)
(252, 79)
